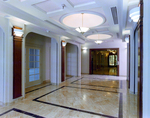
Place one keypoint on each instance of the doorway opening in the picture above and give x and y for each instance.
(104, 61)
(37, 62)
(71, 60)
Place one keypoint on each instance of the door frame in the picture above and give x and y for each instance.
(27, 64)
(101, 49)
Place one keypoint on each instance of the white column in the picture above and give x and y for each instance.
(53, 61)
(1, 65)
(132, 61)
(127, 61)
(146, 60)
(79, 60)
(47, 59)
(23, 62)
(58, 61)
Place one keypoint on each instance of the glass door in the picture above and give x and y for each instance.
(33, 67)
(112, 60)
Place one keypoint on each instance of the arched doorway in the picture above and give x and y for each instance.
(71, 60)
(37, 61)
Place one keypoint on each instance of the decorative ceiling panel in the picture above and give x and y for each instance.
(83, 19)
(99, 36)
(79, 3)
(49, 6)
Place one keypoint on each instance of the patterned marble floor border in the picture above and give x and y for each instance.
(97, 85)
(23, 112)
(38, 88)
(120, 114)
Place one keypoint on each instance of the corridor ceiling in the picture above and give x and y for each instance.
(48, 14)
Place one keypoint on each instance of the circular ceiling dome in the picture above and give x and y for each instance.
(99, 36)
(91, 19)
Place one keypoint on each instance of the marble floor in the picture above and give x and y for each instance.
(105, 71)
(89, 96)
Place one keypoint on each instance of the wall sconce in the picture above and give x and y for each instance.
(17, 31)
(84, 49)
(127, 39)
(64, 43)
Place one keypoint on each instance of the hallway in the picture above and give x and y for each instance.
(85, 97)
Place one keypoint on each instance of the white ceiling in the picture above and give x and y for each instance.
(50, 12)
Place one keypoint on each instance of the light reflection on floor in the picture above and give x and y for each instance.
(106, 71)
(78, 100)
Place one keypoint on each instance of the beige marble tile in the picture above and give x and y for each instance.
(98, 82)
(93, 101)
(89, 100)
(36, 87)
(14, 114)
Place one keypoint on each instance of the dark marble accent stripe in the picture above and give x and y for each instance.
(6, 112)
(48, 93)
(79, 110)
(76, 80)
(94, 85)
(120, 115)
(74, 109)
(92, 89)
(38, 88)
(121, 84)
(23, 112)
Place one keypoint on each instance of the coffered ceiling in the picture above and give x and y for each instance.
(52, 15)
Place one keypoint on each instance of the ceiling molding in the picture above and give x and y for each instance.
(82, 4)
(83, 11)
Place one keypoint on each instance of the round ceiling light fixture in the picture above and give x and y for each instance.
(91, 19)
(99, 36)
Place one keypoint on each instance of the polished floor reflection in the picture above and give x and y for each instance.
(106, 71)
(89, 96)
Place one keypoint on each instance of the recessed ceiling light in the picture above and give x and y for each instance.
(99, 36)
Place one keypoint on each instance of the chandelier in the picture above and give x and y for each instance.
(98, 42)
(82, 29)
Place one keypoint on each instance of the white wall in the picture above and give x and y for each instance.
(85, 62)
(71, 59)
(7, 60)
(146, 60)
(116, 44)
(1, 65)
